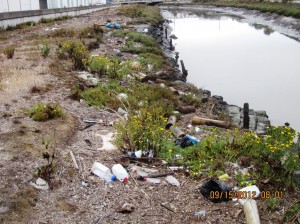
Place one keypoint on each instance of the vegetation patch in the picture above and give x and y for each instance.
(274, 157)
(91, 32)
(191, 99)
(141, 13)
(44, 112)
(112, 67)
(76, 51)
(9, 51)
(50, 20)
(286, 9)
(143, 131)
(62, 33)
(292, 214)
(144, 39)
(104, 95)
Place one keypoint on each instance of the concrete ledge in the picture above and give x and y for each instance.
(32, 13)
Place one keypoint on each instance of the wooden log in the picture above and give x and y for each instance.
(251, 212)
(171, 121)
(187, 109)
(205, 121)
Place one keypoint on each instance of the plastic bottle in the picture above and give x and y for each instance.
(103, 172)
(119, 171)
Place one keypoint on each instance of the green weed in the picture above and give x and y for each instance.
(104, 95)
(44, 112)
(9, 51)
(45, 49)
(292, 213)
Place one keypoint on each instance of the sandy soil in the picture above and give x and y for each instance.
(70, 201)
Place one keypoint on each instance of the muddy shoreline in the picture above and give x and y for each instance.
(285, 25)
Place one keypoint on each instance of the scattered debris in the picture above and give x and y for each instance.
(215, 191)
(200, 214)
(173, 181)
(126, 208)
(107, 142)
(74, 160)
(120, 173)
(103, 172)
(40, 184)
(152, 180)
(210, 122)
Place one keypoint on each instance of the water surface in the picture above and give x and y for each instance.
(241, 62)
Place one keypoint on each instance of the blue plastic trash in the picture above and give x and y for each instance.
(109, 25)
(193, 139)
(117, 26)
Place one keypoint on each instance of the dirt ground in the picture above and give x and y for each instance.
(70, 201)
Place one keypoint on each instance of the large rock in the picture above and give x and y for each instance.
(233, 109)
(263, 120)
(261, 113)
(261, 128)
(252, 122)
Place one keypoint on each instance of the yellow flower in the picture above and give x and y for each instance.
(170, 150)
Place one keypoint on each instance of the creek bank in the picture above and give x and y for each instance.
(258, 120)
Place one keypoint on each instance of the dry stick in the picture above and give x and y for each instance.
(133, 179)
(74, 160)
(166, 207)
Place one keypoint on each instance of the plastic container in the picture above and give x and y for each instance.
(119, 171)
(103, 172)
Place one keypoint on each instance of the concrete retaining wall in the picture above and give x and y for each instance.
(14, 18)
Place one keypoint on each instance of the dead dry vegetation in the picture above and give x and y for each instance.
(34, 80)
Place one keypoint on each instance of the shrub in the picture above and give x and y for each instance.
(145, 130)
(9, 51)
(45, 49)
(43, 112)
(111, 67)
(74, 50)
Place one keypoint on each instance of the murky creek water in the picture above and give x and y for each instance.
(241, 62)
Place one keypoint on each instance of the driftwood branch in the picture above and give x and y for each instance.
(210, 122)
